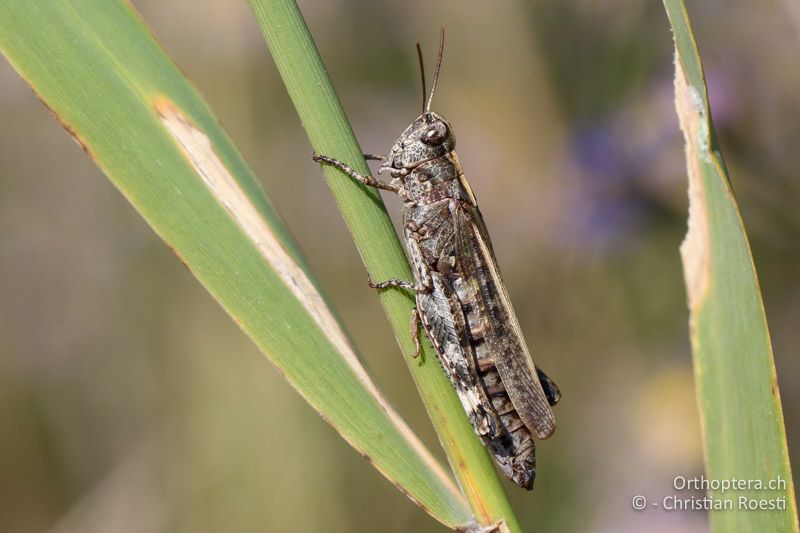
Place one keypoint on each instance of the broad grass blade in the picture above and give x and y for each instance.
(740, 408)
(97, 66)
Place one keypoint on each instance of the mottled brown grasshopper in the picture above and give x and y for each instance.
(462, 302)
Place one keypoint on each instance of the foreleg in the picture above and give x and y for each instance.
(366, 180)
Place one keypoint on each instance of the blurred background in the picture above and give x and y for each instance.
(129, 401)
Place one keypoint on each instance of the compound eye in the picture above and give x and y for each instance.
(435, 134)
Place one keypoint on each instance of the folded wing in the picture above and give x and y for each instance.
(502, 333)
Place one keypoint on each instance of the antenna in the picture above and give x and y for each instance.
(436, 72)
(422, 75)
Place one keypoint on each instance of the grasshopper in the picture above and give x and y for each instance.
(461, 300)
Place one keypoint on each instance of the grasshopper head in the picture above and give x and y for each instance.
(428, 137)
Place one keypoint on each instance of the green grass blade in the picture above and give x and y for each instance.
(107, 80)
(742, 420)
(330, 133)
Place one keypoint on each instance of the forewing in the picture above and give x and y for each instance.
(503, 334)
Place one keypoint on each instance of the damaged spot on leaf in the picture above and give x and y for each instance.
(200, 153)
(696, 247)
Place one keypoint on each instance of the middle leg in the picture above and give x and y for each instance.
(414, 325)
(396, 283)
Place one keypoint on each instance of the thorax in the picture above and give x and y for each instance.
(436, 180)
